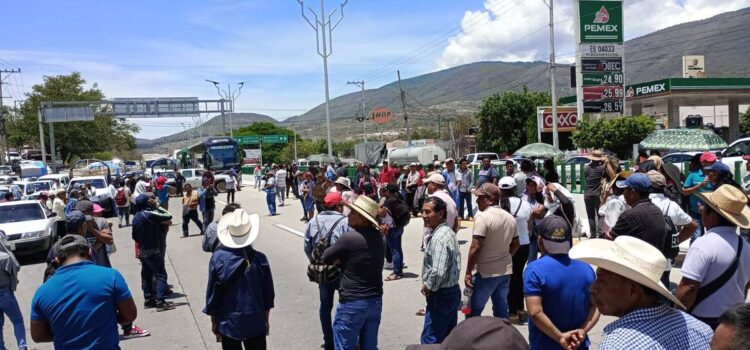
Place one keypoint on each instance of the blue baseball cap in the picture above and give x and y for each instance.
(638, 182)
(719, 168)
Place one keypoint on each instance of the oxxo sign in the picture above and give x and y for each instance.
(567, 118)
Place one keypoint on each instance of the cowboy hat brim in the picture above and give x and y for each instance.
(361, 212)
(742, 219)
(592, 157)
(598, 252)
(228, 240)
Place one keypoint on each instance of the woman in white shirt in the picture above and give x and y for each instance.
(521, 211)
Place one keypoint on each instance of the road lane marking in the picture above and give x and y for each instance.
(290, 230)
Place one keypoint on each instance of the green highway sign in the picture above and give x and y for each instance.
(251, 139)
(600, 21)
(603, 78)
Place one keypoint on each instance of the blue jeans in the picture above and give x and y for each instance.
(271, 201)
(153, 272)
(533, 251)
(9, 306)
(698, 231)
(442, 314)
(326, 306)
(397, 253)
(496, 288)
(357, 323)
(465, 197)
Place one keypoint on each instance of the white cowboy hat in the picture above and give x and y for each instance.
(238, 229)
(366, 207)
(730, 203)
(628, 257)
(344, 181)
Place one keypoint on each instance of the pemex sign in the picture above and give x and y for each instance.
(600, 21)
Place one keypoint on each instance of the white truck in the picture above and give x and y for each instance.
(419, 154)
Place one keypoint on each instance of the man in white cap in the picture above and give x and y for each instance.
(451, 179)
(361, 252)
(627, 286)
(435, 184)
(716, 270)
(240, 293)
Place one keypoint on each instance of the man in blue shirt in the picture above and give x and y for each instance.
(695, 182)
(556, 289)
(329, 220)
(149, 228)
(487, 173)
(81, 305)
(240, 294)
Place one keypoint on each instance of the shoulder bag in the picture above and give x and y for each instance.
(711, 288)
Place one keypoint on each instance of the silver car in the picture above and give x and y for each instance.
(29, 226)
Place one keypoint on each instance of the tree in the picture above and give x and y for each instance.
(745, 123)
(508, 121)
(617, 135)
(73, 139)
(272, 153)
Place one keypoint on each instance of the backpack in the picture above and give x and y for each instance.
(317, 271)
(399, 210)
(671, 247)
(120, 199)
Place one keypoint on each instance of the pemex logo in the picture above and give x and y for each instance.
(630, 92)
(602, 16)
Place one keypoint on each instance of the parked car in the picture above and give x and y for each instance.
(29, 226)
(8, 179)
(734, 152)
(17, 194)
(194, 177)
(679, 159)
(573, 162)
(29, 188)
(477, 158)
(63, 178)
(102, 194)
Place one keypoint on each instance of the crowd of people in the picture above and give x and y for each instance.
(526, 255)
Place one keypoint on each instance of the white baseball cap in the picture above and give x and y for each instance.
(506, 183)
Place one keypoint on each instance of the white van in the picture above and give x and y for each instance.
(63, 178)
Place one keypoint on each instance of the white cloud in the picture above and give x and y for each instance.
(510, 30)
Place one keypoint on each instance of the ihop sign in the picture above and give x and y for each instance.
(567, 118)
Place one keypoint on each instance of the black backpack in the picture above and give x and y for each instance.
(399, 210)
(317, 271)
(671, 247)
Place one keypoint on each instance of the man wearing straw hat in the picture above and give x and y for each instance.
(593, 173)
(627, 286)
(240, 293)
(361, 252)
(716, 271)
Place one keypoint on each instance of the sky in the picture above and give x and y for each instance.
(140, 48)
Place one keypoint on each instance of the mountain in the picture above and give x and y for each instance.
(459, 90)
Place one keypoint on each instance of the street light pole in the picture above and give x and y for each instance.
(361, 84)
(553, 93)
(322, 26)
(230, 96)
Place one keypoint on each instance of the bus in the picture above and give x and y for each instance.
(222, 153)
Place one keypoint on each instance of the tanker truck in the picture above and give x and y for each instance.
(416, 154)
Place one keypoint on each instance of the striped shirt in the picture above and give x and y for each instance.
(442, 259)
(466, 179)
(657, 327)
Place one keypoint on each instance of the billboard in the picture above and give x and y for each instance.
(381, 115)
(156, 107)
(567, 118)
(693, 66)
(252, 155)
(600, 21)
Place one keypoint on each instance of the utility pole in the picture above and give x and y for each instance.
(3, 129)
(553, 93)
(322, 27)
(361, 84)
(230, 96)
(403, 105)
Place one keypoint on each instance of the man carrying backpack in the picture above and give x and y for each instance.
(321, 233)
(394, 215)
(122, 200)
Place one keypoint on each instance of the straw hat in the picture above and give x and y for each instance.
(730, 202)
(596, 154)
(366, 207)
(238, 229)
(344, 181)
(628, 257)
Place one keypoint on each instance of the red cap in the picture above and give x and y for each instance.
(708, 157)
(333, 198)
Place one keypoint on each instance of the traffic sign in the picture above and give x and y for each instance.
(600, 21)
(603, 78)
(603, 92)
(156, 107)
(68, 114)
(603, 106)
(251, 139)
(601, 65)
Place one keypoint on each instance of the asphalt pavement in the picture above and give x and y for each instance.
(294, 319)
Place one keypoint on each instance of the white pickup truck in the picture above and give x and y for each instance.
(194, 177)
